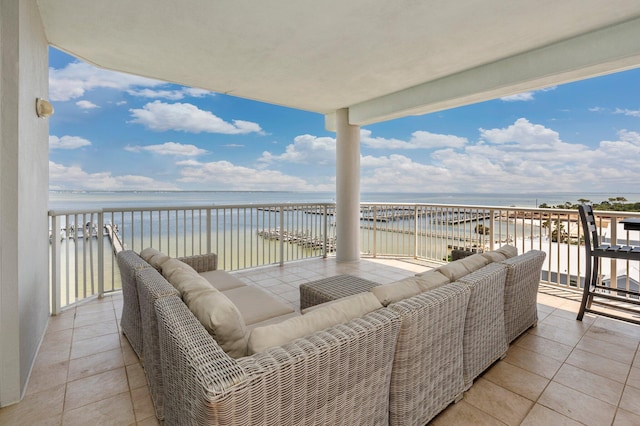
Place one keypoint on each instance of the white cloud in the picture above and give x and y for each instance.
(77, 78)
(169, 148)
(73, 177)
(160, 116)
(419, 140)
(306, 149)
(86, 105)
(173, 95)
(526, 96)
(628, 112)
(67, 142)
(225, 175)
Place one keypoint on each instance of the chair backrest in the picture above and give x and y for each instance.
(589, 227)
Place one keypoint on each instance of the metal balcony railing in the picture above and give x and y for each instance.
(84, 243)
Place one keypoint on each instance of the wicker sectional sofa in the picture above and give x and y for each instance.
(396, 355)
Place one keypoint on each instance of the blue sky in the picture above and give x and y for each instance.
(113, 131)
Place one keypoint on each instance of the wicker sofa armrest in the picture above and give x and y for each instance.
(337, 376)
(484, 340)
(521, 292)
(129, 262)
(201, 262)
(428, 366)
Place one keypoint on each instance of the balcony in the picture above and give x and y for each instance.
(562, 372)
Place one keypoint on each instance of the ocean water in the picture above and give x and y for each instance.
(78, 200)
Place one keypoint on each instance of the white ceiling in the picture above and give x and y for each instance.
(382, 59)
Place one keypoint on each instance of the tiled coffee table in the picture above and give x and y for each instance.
(332, 288)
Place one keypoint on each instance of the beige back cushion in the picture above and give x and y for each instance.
(474, 262)
(430, 280)
(154, 257)
(508, 250)
(453, 270)
(494, 256)
(399, 290)
(187, 283)
(342, 311)
(172, 266)
(220, 318)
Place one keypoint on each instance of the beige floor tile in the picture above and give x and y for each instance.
(136, 377)
(38, 408)
(576, 405)
(128, 354)
(627, 328)
(631, 400)
(95, 345)
(45, 376)
(551, 332)
(97, 305)
(586, 382)
(517, 380)
(95, 388)
(95, 330)
(52, 353)
(533, 362)
(115, 410)
(617, 351)
(588, 319)
(613, 335)
(59, 337)
(463, 414)
(625, 418)
(562, 322)
(634, 378)
(546, 347)
(142, 404)
(597, 364)
(498, 402)
(542, 416)
(94, 317)
(59, 322)
(149, 421)
(95, 364)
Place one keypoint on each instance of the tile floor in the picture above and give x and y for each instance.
(563, 372)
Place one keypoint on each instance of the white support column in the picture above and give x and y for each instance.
(347, 188)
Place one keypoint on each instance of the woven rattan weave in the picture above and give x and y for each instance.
(332, 288)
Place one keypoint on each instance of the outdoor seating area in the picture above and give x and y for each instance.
(561, 371)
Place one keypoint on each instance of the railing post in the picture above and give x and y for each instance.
(375, 228)
(415, 232)
(101, 262)
(281, 235)
(325, 243)
(208, 230)
(55, 266)
(492, 227)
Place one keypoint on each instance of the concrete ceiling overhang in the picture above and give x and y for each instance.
(381, 59)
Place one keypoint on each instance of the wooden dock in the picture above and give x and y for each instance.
(112, 233)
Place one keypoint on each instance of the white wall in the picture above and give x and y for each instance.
(24, 277)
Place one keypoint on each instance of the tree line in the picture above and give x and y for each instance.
(617, 204)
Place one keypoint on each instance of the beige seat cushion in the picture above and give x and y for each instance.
(221, 319)
(154, 257)
(342, 311)
(274, 320)
(222, 280)
(255, 305)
